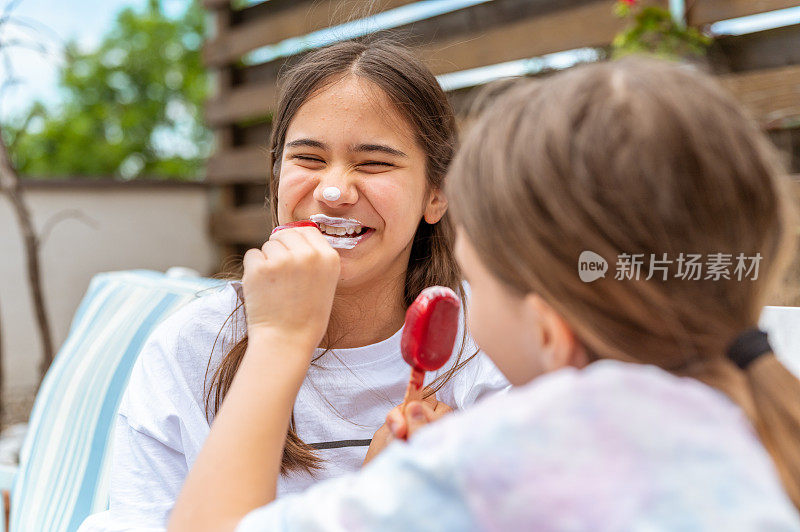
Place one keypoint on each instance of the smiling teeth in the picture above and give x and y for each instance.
(340, 231)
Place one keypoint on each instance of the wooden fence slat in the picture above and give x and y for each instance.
(243, 225)
(257, 10)
(764, 49)
(242, 104)
(238, 165)
(461, 22)
(592, 24)
(215, 4)
(584, 26)
(770, 94)
(707, 11)
(267, 8)
(475, 18)
(254, 134)
(285, 24)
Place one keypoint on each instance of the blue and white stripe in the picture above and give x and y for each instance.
(63, 476)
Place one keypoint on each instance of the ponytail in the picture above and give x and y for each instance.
(769, 395)
(776, 397)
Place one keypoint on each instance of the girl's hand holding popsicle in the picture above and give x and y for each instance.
(289, 285)
(429, 335)
(403, 421)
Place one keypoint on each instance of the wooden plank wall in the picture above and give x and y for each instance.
(761, 69)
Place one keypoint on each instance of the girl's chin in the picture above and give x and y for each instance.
(356, 274)
(350, 274)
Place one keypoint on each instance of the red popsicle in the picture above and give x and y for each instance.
(301, 223)
(429, 335)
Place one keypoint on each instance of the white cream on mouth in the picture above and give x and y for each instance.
(332, 220)
(341, 233)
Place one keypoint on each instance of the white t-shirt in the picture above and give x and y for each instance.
(162, 422)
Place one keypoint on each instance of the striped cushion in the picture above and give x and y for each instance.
(65, 458)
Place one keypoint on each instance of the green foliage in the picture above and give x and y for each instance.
(133, 107)
(654, 31)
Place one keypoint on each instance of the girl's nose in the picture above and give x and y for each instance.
(335, 193)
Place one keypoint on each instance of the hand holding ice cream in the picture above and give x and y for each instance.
(289, 285)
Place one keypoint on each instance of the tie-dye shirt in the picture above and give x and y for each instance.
(614, 446)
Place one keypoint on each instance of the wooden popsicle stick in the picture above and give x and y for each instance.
(414, 389)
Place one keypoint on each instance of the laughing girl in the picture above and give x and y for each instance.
(362, 138)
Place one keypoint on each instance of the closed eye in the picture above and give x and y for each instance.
(308, 162)
(375, 166)
(307, 158)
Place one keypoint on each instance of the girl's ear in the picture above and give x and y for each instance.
(435, 207)
(560, 348)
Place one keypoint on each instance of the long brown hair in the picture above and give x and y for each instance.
(640, 157)
(418, 97)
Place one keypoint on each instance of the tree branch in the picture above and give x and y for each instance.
(9, 186)
(12, 144)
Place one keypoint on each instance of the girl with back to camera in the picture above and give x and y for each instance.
(362, 138)
(642, 404)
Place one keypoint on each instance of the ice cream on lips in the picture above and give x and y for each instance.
(341, 233)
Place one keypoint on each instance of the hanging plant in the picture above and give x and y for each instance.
(653, 30)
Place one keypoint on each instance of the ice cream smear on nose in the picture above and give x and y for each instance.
(331, 193)
(341, 233)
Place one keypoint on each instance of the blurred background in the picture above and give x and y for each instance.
(135, 131)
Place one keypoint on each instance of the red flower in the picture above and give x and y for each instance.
(630, 3)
